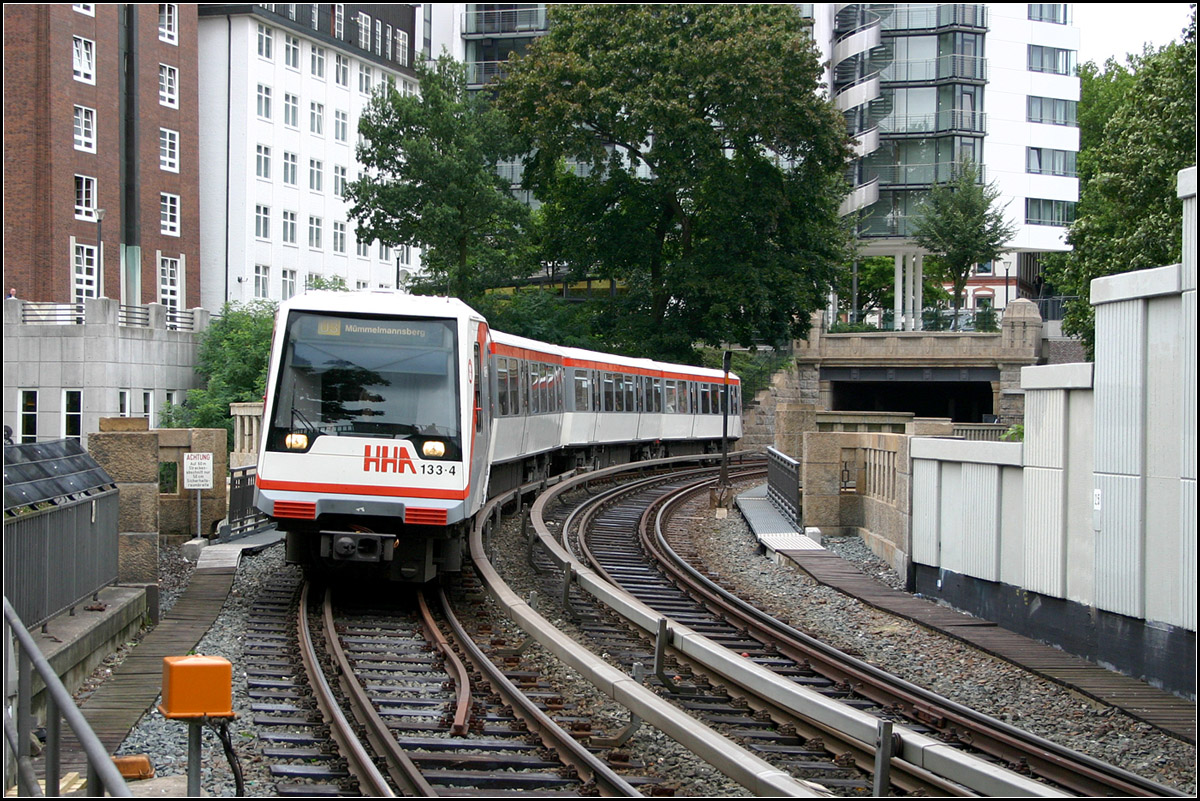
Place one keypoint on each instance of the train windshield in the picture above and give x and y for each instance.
(368, 377)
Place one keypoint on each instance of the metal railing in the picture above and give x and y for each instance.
(922, 16)
(102, 774)
(969, 68)
(481, 72)
(1053, 308)
(937, 122)
(244, 516)
(37, 313)
(520, 20)
(181, 320)
(919, 174)
(783, 486)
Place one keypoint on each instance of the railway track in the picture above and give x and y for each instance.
(738, 628)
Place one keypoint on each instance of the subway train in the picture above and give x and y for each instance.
(390, 419)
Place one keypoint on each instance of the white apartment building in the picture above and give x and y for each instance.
(282, 88)
(923, 85)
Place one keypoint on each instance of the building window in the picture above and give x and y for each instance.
(364, 31)
(168, 86)
(1049, 12)
(123, 402)
(364, 79)
(168, 23)
(262, 281)
(85, 197)
(318, 62)
(265, 41)
(288, 281)
(262, 222)
(85, 8)
(385, 252)
(84, 60)
(341, 126)
(168, 282)
(29, 415)
(1044, 161)
(339, 181)
(1052, 60)
(291, 51)
(264, 102)
(289, 227)
(290, 168)
(168, 213)
(262, 162)
(148, 407)
(316, 118)
(341, 70)
(378, 37)
(312, 15)
(363, 249)
(402, 48)
(388, 43)
(85, 281)
(339, 20)
(314, 232)
(1052, 111)
(1039, 211)
(168, 150)
(85, 129)
(339, 237)
(405, 254)
(316, 171)
(291, 110)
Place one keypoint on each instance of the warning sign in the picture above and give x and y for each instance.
(197, 471)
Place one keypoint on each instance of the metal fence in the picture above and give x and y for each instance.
(783, 486)
(55, 558)
(244, 516)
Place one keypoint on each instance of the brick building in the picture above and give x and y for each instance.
(101, 143)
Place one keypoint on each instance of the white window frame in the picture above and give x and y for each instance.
(264, 102)
(168, 86)
(341, 70)
(287, 285)
(339, 237)
(168, 23)
(339, 181)
(363, 249)
(316, 118)
(366, 79)
(266, 42)
(315, 225)
(379, 37)
(168, 214)
(341, 125)
(83, 60)
(289, 227)
(339, 20)
(262, 281)
(364, 31)
(169, 282)
(291, 52)
(316, 175)
(317, 62)
(85, 129)
(402, 48)
(262, 161)
(67, 414)
(85, 198)
(385, 252)
(85, 272)
(88, 9)
(291, 168)
(168, 150)
(262, 221)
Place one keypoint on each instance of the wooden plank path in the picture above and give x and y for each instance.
(1160, 709)
(119, 703)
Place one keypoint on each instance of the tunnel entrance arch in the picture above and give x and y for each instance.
(963, 394)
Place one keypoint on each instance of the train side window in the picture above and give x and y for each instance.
(608, 392)
(535, 398)
(502, 386)
(544, 388)
(669, 402)
(478, 411)
(619, 393)
(596, 407)
(581, 391)
(657, 395)
(704, 399)
(524, 384)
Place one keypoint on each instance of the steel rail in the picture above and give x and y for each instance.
(1067, 768)
(358, 760)
(400, 767)
(454, 666)
(608, 781)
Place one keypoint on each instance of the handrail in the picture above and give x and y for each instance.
(102, 774)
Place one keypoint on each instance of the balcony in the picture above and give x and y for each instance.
(952, 67)
(520, 21)
(907, 175)
(948, 121)
(484, 72)
(919, 17)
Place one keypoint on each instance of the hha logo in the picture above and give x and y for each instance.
(397, 460)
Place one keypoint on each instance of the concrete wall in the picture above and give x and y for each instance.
(111, 348)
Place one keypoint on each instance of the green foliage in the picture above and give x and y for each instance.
(331, 283)
(707, 169)
(877, 285)
(852, 328)
(959, 226)
(233, 359)
(432, 182)
(753, 367)
(1015, 433)
(1137, 130)
(541, 315)
(986, 321)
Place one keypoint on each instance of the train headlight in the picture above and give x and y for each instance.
(296, 442)
(434, 449)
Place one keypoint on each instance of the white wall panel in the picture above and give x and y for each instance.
(925, 508)
(1187, 419)
(1120, 373)
(1119, 544)
(1045, 427)
(980, 521)
(950, 548)
(1045, 535)
(1187, 553)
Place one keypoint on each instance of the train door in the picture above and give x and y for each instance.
(479, 391)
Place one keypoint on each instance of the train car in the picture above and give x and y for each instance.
(390, 419)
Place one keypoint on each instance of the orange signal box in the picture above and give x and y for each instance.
(196, 687)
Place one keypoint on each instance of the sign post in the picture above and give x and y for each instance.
(198, 476)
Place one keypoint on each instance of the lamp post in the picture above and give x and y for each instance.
(99, 249)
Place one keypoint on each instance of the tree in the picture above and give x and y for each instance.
(877, 286)
(685, 151)
(432, 181)
(1137, 130)
(958, 225)
(234, 353)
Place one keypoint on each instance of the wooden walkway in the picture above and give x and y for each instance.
(119, 703)
(1170, 713)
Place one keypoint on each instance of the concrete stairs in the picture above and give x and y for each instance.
(758, 419)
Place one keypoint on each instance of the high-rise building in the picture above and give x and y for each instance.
(281, 94)
(923, 87)
(101, 137)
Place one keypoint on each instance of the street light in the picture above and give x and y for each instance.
(99, 247)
